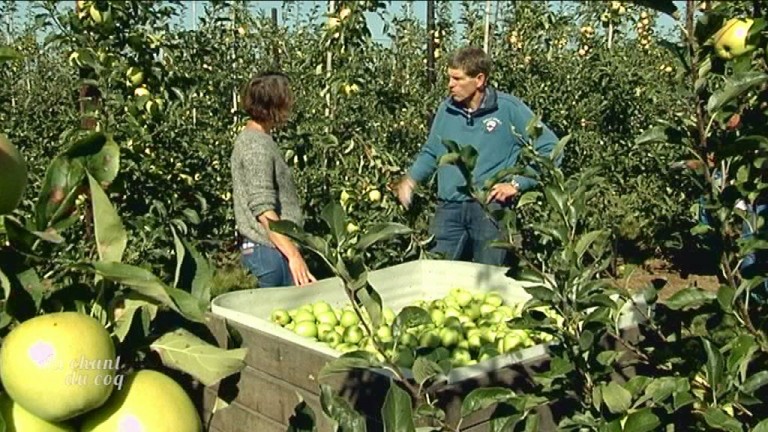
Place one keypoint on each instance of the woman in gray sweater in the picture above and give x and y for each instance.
(263, 186)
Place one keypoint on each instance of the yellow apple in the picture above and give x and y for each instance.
(149, 401)
(731, 39)
(58, 365)
(17, 419)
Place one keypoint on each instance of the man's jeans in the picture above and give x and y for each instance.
(268, 265)
(458, 225)
(754, 263)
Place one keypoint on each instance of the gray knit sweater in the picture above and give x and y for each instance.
(261, 181)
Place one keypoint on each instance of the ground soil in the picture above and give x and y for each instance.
(666, 278)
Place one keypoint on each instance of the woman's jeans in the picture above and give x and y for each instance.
(268, 265)
(457, 225)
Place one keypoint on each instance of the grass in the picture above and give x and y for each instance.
(231, 277)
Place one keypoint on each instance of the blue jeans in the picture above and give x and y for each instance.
(458, 225)
(753, 263)
(268, 265)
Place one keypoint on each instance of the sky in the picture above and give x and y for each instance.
(376, 25)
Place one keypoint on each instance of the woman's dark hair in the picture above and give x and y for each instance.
(267, 98)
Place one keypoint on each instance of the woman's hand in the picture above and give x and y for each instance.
(300, 271)
(502, 192)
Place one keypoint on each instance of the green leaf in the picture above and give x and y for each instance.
(689, 298)
(302, 419)
(345, 364)
(339, 410)
(124, 322)
(664, 6)
(481, 398)
(719, 419)
(370, 299)
(541, 293)
(294, 232)
(659, 135)
(104, 165)
(755, 382)
(397, 412)
(9, 54)
(616, 398)
(586, 240)
(761, 427)
(425, 369)
(334, 217)
(182, 350)
(187, 305)
(141, 281)
(659, 390)
(643, 420)
(193, 272)
(529, 197)
(725, 295)
(111, 237)
(450, 158)
(715, 366)
(734, 87)
(411, 316)
(742, 350)
(88, 145)
(381, 232)
(58, 192)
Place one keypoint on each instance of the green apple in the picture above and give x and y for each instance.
(389, 315)
(322, 329)
(384, 333)
(327, 317)
(349, 318)
(307, 329)
(438, 316)
(451, 303)
(135, 76)
(321, 307)
(449, 337)
(439, 304)
(304, 315)
(460, 357)
(306, 307)
(339, 328)
(494, 298)
(452, 312)
(408, 339)
(475, 340)
(507, 311)
(280, 316)
(452, 322)
(332, 338)
(463, 298)
(291, 326)
(430, 339)
(487, 309)
(353, 335)
(473, 311)
(731, 39)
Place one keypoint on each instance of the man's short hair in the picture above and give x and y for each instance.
(472, 60)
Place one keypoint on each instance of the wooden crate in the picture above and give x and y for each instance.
(281, 367)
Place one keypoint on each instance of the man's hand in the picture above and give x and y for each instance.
(300, 271)
(502, 192)
(404, 190)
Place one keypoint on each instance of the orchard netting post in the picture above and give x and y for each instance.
(89, 95)
(276, 46)
(431, 43)
(487, 35)
(328, 69)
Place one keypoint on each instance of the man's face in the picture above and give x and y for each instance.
(463, 87)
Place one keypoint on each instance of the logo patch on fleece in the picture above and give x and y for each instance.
(491, 124)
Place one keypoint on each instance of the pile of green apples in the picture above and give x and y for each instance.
(470, 325)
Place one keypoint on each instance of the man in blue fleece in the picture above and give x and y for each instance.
(479, 115)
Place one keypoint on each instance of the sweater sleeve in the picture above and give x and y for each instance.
(426, 160)
(258, 178)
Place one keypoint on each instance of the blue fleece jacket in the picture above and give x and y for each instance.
(489, 130)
